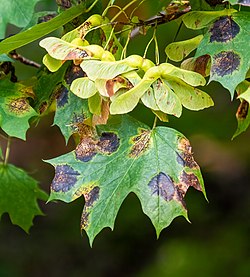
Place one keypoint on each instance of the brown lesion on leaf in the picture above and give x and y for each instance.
(77, 54)
(65, 178)
(141, 143)
(242, 111)
(112, 85)
(90, 144)
(188, 179)
(185, 157)
(91, 195)
(225, 63)
(224, 29)
(18, 106)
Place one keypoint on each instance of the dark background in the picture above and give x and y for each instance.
(215, 244)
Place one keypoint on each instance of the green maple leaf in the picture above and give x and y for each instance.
(18, 13)
(126, 156)
(15, 111)
(224, 42)
(18, 196)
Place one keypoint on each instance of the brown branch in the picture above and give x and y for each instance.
(23, 60)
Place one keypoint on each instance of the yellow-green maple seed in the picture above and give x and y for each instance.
(96, 51)
(146, 64)
(134, 61)
(95, 20)
(153, 73)
(79, 42)
(107, 56)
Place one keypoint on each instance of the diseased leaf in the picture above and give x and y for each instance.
(200, 19)
(224, 42)
(240, 2)
(71, 111)
(15, 110)
(83, 87)
(177, 51)
(39, 30)
(18, 196)
(18, 13)
(242, 114)
(107, 70)
(126, 156)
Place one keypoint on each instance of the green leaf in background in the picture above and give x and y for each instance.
(242, 114)
(15, 111)
(240, 2)
(39, 30)
(126, 156)
(200, 19)
(1, 154)
(177, 51)
(225, 43)
(5, 58)
(18, 13)
(18, 196)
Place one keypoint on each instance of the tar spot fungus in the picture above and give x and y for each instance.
(18, 106)
(140, 143)
(224, 29)
(225, 63)
(162, 185)
(185, 157)
(91, 196)
(84, 219)
(86, 149)
(65, 178)
(108, 143)
(63, 97)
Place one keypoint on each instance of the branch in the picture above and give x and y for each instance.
(23, 60)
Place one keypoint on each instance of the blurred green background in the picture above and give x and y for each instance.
(215, 244)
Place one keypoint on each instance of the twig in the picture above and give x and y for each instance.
(23, 60)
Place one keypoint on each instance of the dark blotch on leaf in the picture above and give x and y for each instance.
(86, 149)
(84, 219)
(18, 106)
(140, 143)
(224, 29)
(162, 185)
(108, 143)
(63, 97)
(225, 63)
(73, 72)
(65, 178)
(91, 196)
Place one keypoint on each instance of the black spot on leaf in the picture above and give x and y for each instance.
(91, 196)
(84, 219)
(108, 143)
(185, 157)
(86, 149)
(63, 97)
(162, 185)
(224, 29)
(18, 106)
(73, 72)
(225, 63)
(65, 178)
(140, 143)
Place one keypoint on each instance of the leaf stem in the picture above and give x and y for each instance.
(122, 10)
(155, 122)
(92, 6)
(7, 152)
